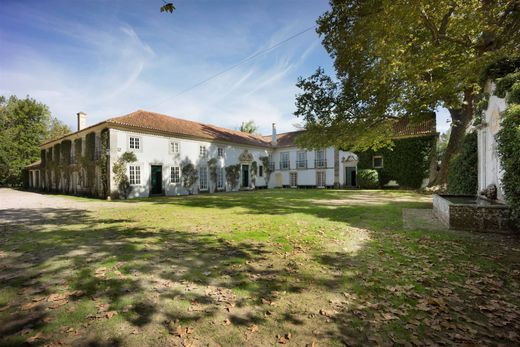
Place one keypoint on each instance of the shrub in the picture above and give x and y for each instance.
(508, 146)
(120, 176)
(232, 175)
(368, 179)
(463, 168)
(189, 176)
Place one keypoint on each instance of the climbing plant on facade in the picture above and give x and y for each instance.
(267, 169)
(120, 177)
(232, 175)
(189, 176)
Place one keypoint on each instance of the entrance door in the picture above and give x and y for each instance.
(350, 179)
(245, 176)
(156, 176)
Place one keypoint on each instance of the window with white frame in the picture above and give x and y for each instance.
(175, 147)
(203, 178)
(284, 161)
(175, 174)
(377, 161)
(321, 179)
(321, 159)
(260, 171)
(134, 174)
(134, 142)
(301, 161)
(220, 152)
(203, 151)
(293, 179)
(220, 178)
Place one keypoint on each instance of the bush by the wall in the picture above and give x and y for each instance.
(407, 162)
(463, 168)
(368, 179)
(508, 146)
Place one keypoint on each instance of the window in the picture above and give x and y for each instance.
(321, 179)
(260, 171)
(220, 178)
(321, 160)
(220, 152)
(377, 161)
(135, 142)
(203, 178)
(175, 147)
(284, 161)
(301, 161)
(293, 179)
(135, 174)
(175, 175)
(203, 151)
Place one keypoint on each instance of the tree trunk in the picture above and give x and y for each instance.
(460, 119)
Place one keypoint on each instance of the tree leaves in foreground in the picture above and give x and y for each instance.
(24, 126)
(394, 59)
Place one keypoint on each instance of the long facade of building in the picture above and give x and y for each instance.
(82, 163)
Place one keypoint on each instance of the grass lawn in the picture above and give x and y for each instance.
(262, 268)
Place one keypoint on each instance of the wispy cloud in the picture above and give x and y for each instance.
(111, 67)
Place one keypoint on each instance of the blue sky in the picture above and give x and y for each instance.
(109, 58)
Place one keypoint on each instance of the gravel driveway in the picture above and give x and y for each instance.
(27, 207)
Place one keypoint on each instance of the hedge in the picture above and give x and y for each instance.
(463, 168)
(368, 179)
(407, 162)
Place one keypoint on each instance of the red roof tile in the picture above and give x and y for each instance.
(156, 121)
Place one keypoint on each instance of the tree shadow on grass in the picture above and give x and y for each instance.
(194, 276)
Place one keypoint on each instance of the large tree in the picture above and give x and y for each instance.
(402, 59)
(23, 124)
(249, 127)
(56, 129)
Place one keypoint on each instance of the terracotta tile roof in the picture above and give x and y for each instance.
(285, 139)
(156, 121)
(403, 127)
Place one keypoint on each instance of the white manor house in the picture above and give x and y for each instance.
(82, 162)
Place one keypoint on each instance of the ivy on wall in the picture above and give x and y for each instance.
(463, 168)
(508, 138)
(407, 162)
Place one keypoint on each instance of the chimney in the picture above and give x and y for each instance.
(82, 120)
(274, 140)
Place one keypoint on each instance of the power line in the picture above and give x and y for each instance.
(257, 54)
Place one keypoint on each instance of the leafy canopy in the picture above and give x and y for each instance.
(395, 59)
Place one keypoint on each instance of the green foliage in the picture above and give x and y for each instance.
(120, 176)
(249, 127)
(508, 146)
(56, 129)
(407, 161)
(254, 170)
(189, 176)
(22, 128)
(368, 179)
(267, 168)
(232, 175)
(505, 83)
(500, 68)
(463, 168)
(103, 161)
(212, 167)
(442, 144)
(168, 7)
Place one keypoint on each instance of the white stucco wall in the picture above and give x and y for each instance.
(155, 150)
(489, 169)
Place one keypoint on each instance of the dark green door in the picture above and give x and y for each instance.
(156, 179)
(350, 174)
(245, 175)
